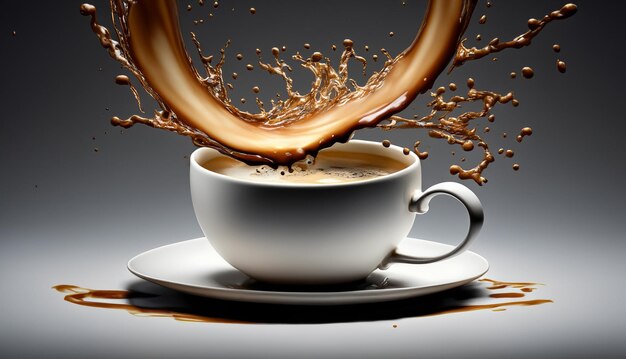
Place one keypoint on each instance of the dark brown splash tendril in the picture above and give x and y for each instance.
(535, 26)
(456, 130)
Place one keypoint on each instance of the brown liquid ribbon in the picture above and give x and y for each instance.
(151, 45)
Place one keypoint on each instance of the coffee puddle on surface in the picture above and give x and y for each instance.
(149, 300)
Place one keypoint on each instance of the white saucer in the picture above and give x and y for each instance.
(194, 267)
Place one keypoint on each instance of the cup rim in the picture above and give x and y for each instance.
(395, 150)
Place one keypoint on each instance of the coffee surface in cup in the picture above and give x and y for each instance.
(329, 167)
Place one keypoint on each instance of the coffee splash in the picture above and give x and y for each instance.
(535, 26)
(119, 300)
(150, 45)
(198, 105)
(460, 130)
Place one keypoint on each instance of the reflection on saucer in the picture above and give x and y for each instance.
(148, 300)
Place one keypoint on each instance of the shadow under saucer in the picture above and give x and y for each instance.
(144, 298)
(148, 296)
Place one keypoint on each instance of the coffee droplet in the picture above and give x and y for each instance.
(560, 65)
(249, 67)
(526, 131)
(513, 75)
(239, 56)
(189, 7)
(509, 153)
(256, 89)
(243, 100)
(253, 11)
(533, 24)
(491, 118)
(307, 46)
(482, 20)
(516, 167)
(566, 11)
(500, 151)
(468, 145)
(391, 33)
(375, 57)
(556, 48)
(386, 143)
(478, 37)
(406, 151)
(316, 57)
(452, 86)
(528, 72)
(235, 76)
(454, 169)
(122, 80)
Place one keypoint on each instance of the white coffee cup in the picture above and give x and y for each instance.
(302, 233)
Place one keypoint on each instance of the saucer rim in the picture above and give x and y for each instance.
(299, 297)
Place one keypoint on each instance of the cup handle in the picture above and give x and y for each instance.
(419, 203)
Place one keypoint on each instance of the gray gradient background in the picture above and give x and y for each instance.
(71, 215)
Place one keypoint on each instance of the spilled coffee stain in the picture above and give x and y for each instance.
(507, 295)
(496, 284)
(523, 287)
(248, 313)
(496, 307)
(79, 295)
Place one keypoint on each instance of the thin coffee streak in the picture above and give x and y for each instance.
(463, 54)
